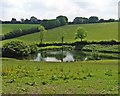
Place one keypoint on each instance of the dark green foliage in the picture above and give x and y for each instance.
(80, 20)
(13, 20)
(48, 24)
(95, 55)
(33, 19)
(101, 20)
(63, 20)
(15, 49)
(1, 37)
(21, 32)
(102, 48)
(33, 48)
(93, 19)
(112, 42)
(109, 20)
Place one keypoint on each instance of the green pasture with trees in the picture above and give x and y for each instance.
(95, 32)
(78, 77)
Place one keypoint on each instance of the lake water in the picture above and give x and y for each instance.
(70, 56)
(59, 56)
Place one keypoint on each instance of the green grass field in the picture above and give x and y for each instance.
(88, 77)
(85, 77)
(6, 28)
(96, 32)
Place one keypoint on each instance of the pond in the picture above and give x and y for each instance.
(60, 56)
(70, 56)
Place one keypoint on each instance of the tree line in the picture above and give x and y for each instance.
(21, 32)
(58, 21)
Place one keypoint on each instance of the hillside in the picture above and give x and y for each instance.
(10, 27)
(95, 32)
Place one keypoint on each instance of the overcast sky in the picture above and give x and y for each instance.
(47, 9)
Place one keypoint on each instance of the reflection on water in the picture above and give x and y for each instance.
(58, 56)
(38, 58)
(51, 59)
(68, 58)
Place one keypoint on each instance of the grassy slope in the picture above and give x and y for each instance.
(10, 27)
(100, 31)
(60, 78)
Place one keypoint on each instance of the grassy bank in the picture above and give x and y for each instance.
(60, 78)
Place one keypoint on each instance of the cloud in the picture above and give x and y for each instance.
(102, 8)
(119, 9)
(46, 9)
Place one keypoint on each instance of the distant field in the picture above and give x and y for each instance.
(6, 28)
(88, 77)
(99, 31)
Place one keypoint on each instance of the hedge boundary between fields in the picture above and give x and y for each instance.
(112, 42)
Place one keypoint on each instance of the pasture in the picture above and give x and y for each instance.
(83, 77)
(87, 77)
(95, 32)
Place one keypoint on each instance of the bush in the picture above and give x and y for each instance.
(15, 49)
(33, 48)
(95, 55)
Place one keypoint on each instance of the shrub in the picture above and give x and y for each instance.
(33, 48)
(95, 55)
(16, 49)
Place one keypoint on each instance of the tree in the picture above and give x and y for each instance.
(101, 20)
(63, 20)
(42, 29)
(13, 20)
(33, 19)
(52, 23)
(93, 19)
(111, 20)
(80, 20)
(22, 20)
(62, 40)
(27, 21)
(77, 20)
(81, 33)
